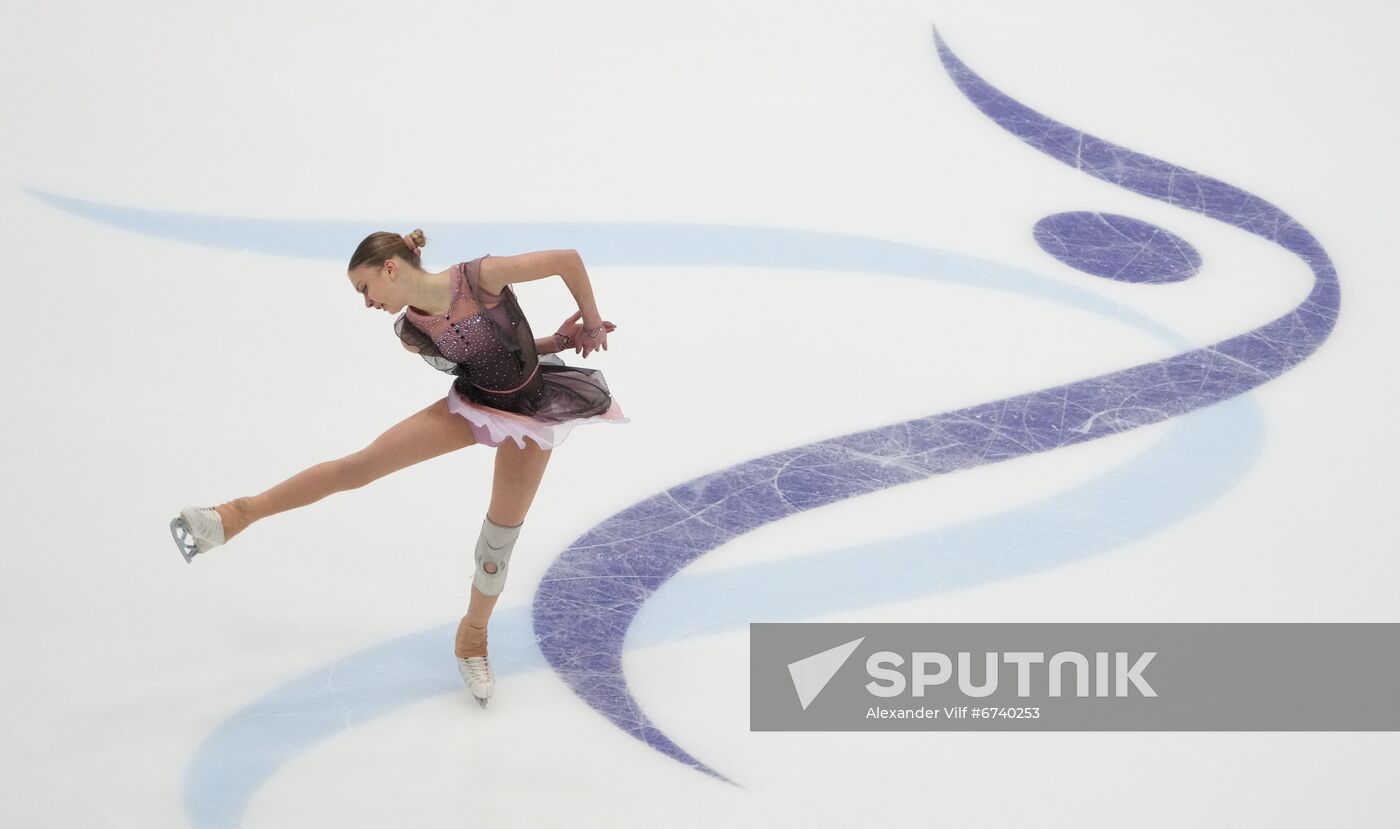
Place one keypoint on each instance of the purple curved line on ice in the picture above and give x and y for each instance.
(581, 619)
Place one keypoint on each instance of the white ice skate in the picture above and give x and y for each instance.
(197, 530)
(476, 670)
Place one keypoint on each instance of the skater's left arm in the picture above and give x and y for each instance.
(498, 271)
(576, 277)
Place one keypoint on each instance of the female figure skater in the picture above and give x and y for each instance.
(511, 393)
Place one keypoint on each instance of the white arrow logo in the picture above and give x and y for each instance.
(810, 675)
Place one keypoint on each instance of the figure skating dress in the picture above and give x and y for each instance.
(503, 387)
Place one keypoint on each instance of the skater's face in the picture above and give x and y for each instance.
(380, 286)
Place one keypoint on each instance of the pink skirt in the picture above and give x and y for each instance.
(493, 426)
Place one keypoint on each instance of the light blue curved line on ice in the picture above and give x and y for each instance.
(244, 751)
(605, 244)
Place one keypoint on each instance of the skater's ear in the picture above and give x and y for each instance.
(496, 272)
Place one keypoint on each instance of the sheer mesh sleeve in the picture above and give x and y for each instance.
(421, 344)
(505, 310)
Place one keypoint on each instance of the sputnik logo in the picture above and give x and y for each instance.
(810, 675)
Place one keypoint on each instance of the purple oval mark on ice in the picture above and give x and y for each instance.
(1117, 247)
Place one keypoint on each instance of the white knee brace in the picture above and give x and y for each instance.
(493, 546)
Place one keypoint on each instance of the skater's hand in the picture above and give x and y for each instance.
(573, 330)
(591, 338)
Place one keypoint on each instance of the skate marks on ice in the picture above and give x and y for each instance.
(582, 619)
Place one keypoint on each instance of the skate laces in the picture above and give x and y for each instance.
(478, 668)
(211, 528)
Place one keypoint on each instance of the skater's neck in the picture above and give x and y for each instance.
(434, 295)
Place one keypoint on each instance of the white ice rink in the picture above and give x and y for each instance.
(809, 221)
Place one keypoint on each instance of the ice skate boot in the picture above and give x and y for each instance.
(476, 670)
(472, 662)
(197, 530)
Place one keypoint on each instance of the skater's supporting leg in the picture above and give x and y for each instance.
(432, 431)
(517, 479)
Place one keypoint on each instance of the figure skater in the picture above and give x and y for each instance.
(511, 392)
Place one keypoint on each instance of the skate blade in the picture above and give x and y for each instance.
(482, 701)
(185, 543)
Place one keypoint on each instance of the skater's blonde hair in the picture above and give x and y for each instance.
(380, 246)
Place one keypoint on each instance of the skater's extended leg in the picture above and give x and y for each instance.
(517, 478)
(432, 431)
